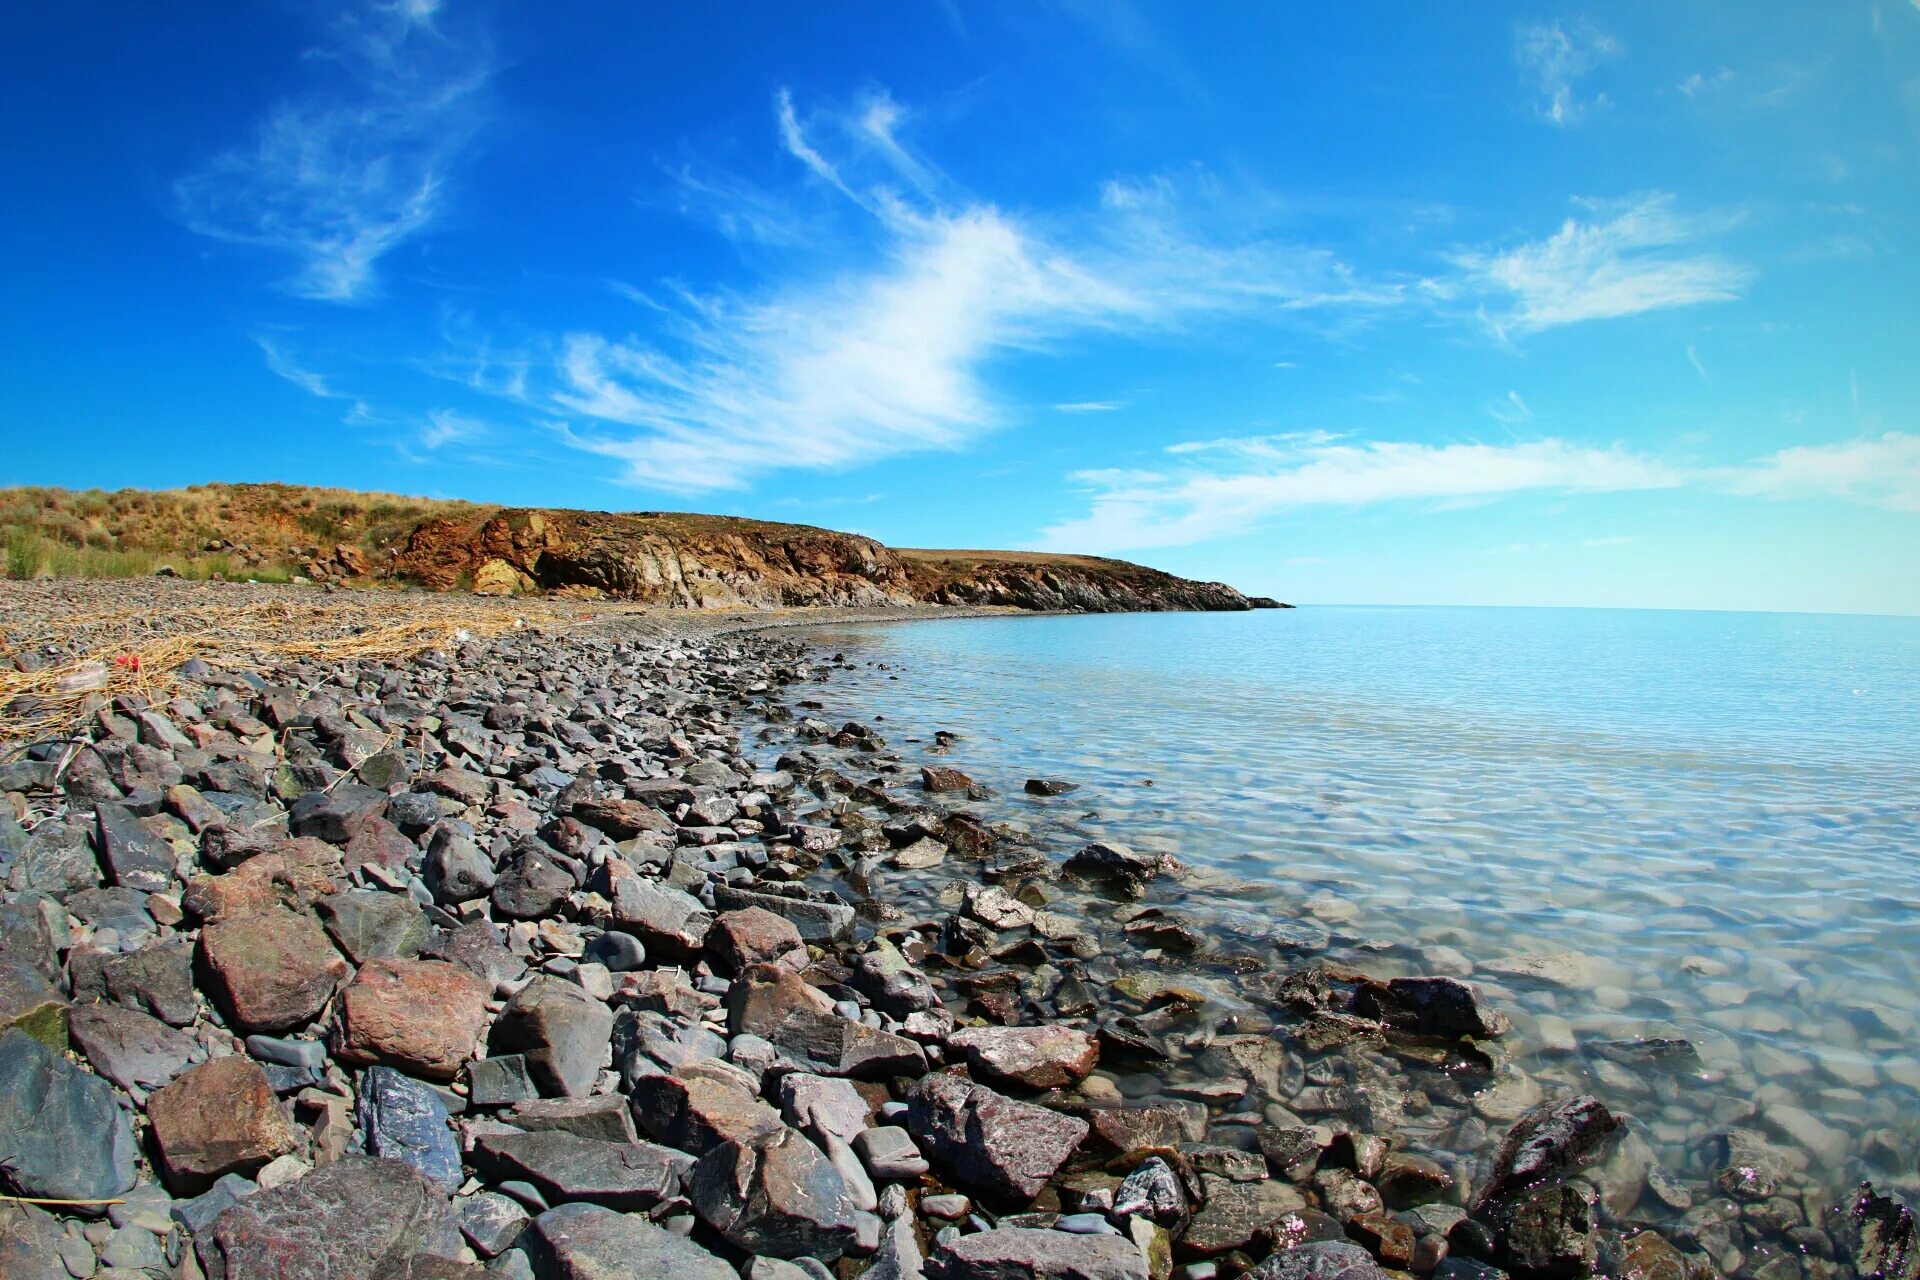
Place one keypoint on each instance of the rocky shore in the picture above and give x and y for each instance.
(588, 951)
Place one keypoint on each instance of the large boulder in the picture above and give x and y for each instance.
(405, 1120)
(1024, 1253)
(354, 1219)
(1002, 1148)
(668, 922)
(564, 1033)
(587, 1242)
(698, 1112)
(129, 1048)
(1049, 1057)
(776, 1194)
(779, 1007)
(62, 1135)
(1552, 1141)
(221, 1117)
(273, 970)
(422, 1016)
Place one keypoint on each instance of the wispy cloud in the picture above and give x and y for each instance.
(1699, 84)
(448, 426)
(1627, 257)
(1510, 409)
(1224, 488)
(879, 341)
(339, 177)
(1090, 406)
(1699, 366)
(1879, 471)
(1554, 57)
(282, 364)
(1266, 476)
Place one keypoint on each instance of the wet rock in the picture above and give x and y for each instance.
(567, 1167)
(1551, 1141)
(134, 857)
(405, 1120)
(994, 907)
(697, 1113)
(563, 1032)
(1344, 1194)
(1022, 1253)
(422, 1016)
(366, 924)
(355, 1219)
(754, 935)
(1235, 1214)
(31, 1003)
(1050, 786)
(1154, 1124)
(1885, 1243)
(1387, 1239)
(157, 979)
(129, 1048)
(1047, 1057)
(1752, 1168)
(1547, 1232)
(62, 1135)
(1126, 1040)
(1116, 865)
(587, 1242)
(1648, 1256)
(1005, 1149)
(776, 1005)
(1407, 1179)
(940, 778)
(1437, 1006)
(271, 971)
(1319, 1260)
(221, 1117)
(776, 1194)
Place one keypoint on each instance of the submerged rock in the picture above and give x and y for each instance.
(1551, 1141)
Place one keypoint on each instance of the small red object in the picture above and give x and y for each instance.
(128, 662)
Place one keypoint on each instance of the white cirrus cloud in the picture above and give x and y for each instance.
(1876, 471)
(1628, 257)
(1555, 57)
(1090, 406)
(339, 177)
(879, 342)
(1266, 476)
(285, 366)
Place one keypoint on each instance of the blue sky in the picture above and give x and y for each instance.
(1609, 305)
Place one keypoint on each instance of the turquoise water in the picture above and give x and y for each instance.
(1620, 823)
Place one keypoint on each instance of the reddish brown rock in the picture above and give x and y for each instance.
(754, 935)
(297, 874)
(271, 971)
(622, 819)
(1050, 1057)
(940, 778)
(1001, 1148)
(221, 1117)
(421, 1016)
(380, 843)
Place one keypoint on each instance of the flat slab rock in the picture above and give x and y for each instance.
(1024, 1253)
(587, 1242)
(1319, 1260)
(354, 1219)
(421, 1016)
(1049, 1057)
(565, 1166)
(62, 1135)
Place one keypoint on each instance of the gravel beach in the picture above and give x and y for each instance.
(369, 934)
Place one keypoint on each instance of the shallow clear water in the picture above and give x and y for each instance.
(1711, 821)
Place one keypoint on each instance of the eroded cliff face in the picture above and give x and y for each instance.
(706, 562)
(692, 563)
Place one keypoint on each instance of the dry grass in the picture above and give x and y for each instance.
(130, 533)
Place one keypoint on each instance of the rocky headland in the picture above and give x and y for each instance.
(579, 946)
(290, 532)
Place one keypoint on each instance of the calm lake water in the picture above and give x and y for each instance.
(1622, 824)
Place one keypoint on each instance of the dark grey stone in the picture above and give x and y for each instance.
(619, 952)
(197, 1214)
(820, 922)
(456, 869)
(366, 923)
(776, 1194)
(1319, 1260)
(354, 1219)
(62, 1135)
(309, 1055)
(405, 1120)
(587, 1242)
(156, 979)
(1025, 1253)
(499, 1081)
(564, 1033)
(134, 857)
(335, 815)
(130, 1048)
(490, 1221)
(566, 1167)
